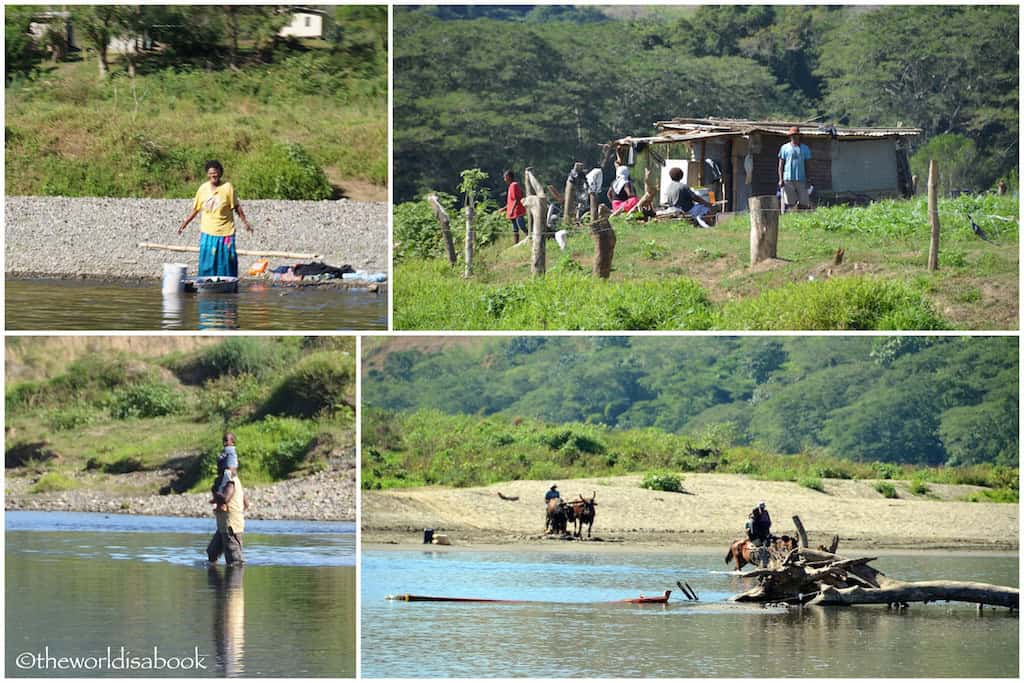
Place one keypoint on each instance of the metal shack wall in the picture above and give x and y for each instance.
(865, 166)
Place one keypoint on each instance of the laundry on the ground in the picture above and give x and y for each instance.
(319, 271)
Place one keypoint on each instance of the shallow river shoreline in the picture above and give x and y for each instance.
(325, 496)
(99, 236)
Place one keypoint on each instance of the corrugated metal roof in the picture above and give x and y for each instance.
(686, 130)
(747, 126)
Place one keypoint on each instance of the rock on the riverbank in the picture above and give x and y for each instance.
(98, 236)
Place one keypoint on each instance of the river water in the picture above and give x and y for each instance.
(567, 632)
(90, 305)
(78, 584)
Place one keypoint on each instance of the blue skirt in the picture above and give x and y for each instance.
(217, 256)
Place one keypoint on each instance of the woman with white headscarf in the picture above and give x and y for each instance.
(621, 193)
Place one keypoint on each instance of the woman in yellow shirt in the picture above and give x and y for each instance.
(217, 202)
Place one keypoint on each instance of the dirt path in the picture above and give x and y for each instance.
(709, 513)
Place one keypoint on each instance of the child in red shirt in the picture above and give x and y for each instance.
(514, 209)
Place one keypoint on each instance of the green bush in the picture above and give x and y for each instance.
(268, 450)
(26, 395)
(146, 399)
(813, 483)
(71, 417)
(662, 481)
(283, 172)
(886, 489)
(842, 303)
(232, 397)
(256, 356)
(53, 481)
(886, 470)
(417, 233)
(918, 487)
(321, 383)
(994, 496)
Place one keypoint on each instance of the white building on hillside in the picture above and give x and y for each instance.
(306, 23)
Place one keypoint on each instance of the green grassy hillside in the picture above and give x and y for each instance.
(289, 400)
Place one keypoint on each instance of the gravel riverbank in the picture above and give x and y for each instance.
(328, 495)
(97, 236)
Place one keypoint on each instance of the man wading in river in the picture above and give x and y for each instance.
(229, 509)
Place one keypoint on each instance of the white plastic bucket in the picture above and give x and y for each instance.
(174, 276)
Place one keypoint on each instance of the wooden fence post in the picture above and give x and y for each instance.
(764, 228)
(470, 235)
(537, 205)
(604, 237)
(446, 230)
(933, 213)
(569, 200)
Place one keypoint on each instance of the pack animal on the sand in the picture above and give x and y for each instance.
(582, 511)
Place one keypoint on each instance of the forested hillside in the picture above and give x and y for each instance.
(495, 87)
(916, 400)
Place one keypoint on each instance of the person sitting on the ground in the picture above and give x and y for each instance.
(684, 201)
(621, 193)
(760, 525)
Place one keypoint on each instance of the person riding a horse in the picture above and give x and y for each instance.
(759, 528)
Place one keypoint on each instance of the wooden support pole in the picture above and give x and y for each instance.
(446, 230)
(470, 235)
(533, 185)
(243, 252)
(764, 228)
(801, 532)
(933, 213)
(537, 206)
(604, 238)
(569, 198)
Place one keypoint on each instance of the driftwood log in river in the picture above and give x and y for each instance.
(818, 577)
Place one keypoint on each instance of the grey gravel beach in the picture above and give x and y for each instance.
(95, 236)
(328, 495)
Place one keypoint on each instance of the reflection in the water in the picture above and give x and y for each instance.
(228, 618)
(174, 309)
(83, 305)
(218, 311)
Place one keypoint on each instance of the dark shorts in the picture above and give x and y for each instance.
(519, 224)
(226, 543)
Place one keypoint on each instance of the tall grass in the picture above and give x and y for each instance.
(837, 304)
(882, 284)
(430, 295)
(71, 135)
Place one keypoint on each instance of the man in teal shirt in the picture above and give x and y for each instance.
(792, 171)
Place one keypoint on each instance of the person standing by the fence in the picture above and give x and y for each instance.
(793, 158)
(514, 209)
